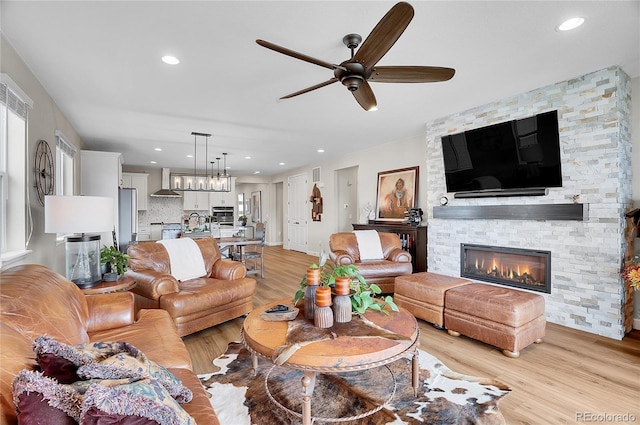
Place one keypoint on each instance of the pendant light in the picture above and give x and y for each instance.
(202, 182)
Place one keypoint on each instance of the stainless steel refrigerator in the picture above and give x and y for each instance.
(127, 218)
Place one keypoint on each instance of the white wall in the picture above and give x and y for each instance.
(44, 119)
(397, 154)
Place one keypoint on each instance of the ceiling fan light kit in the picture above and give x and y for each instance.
(356, 72)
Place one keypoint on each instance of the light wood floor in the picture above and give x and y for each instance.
(571, 373)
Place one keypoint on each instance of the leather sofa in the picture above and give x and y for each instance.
(36, 301)
(396, 261)
(223, 294)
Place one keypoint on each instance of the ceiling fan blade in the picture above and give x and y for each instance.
(410, 74)
(296, 55)
(365, 97)
(384, 35)
(308, 89)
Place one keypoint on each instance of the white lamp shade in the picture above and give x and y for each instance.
(78, 214)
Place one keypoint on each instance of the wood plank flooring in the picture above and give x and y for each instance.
(571, 378)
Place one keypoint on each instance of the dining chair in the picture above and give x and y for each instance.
(254, 253)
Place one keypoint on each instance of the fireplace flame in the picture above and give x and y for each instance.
(503, 267)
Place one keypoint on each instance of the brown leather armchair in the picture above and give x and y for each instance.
(396, 261)
(223, 294)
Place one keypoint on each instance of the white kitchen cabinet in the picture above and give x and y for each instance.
(224, 199)
(138, 181)
(195, 200)
(144, 233)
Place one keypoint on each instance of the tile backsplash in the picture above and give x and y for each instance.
(167, 210)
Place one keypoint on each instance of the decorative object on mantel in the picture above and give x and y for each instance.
(203, 182)
(367, 213)
(414, 216)
(396, 194)
(316, 204)
(243, 220)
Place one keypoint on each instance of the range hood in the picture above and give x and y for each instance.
(165, 192)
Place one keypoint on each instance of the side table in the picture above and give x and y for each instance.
(125, 283)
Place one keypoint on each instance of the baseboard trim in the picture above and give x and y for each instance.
(636, 324)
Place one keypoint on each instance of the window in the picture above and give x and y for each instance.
(14, 105)
(65, 166)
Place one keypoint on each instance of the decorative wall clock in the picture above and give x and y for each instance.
(43, 169)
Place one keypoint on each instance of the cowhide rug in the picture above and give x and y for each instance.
(444, 396)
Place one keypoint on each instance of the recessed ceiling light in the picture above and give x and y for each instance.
(256, 172)
(570, 24)
(170, 60)
(189, 156)
(282, 163)
(320, 150)
(153, 162)
(247, 157)
(158, 149)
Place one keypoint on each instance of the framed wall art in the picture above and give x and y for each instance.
(256, 206)
(397, 193)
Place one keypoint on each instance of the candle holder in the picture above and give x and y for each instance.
(313, 280)
(323, 316)
(342, 302)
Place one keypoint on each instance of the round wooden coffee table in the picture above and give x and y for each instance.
(342, 354)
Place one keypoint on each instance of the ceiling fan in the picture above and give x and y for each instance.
(356, 73)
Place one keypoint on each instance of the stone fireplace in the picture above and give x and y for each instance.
(520, 268)
(586, 249)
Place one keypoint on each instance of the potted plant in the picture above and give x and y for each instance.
(115, 263)
(243, 220)
(363, 295)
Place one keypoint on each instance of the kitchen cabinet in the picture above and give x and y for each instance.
(101, 175)
(144, 233)
(224, 199)
(139, 182)
(195, 200)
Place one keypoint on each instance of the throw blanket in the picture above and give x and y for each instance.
(369, 244)
(185, 258)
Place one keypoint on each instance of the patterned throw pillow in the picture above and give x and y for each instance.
(43, 400)
(135, 403)
(103, 360)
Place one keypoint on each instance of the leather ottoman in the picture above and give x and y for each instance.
(423, 294)
(505, 318)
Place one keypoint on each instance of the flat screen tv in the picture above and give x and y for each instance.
(519, 157)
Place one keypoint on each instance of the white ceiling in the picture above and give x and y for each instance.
(100, 61)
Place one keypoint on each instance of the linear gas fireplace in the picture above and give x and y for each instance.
(521, 268)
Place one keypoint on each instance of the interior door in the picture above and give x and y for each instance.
(297, 213)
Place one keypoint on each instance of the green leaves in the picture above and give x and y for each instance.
(363, 295)
(119, 261)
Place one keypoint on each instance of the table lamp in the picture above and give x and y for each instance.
(76, 216)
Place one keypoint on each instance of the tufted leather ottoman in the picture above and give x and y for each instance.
(506, 318)
(422, 294)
